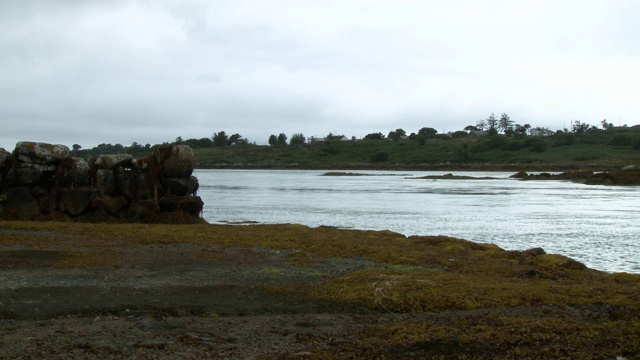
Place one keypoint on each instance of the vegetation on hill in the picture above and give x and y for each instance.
(584, 145)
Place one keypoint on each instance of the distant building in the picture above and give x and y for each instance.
(339, 138)
(541, 132)
(314, 139)
(478, 133)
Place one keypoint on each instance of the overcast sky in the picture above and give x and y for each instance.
(91, 72)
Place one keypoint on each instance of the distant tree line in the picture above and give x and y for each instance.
(489, 127)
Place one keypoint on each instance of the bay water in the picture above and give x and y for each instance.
(596, 225)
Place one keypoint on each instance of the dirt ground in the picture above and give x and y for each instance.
(160, 301)
(193, 300)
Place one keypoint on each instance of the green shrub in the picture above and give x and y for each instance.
(621, 140)
(537, 144)
(380, 156)
(563, 139)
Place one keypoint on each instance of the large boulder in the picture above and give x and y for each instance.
(175, 160)
(181, 186)
(75, 201)
(29, 174)
(111, 204)
(110, 162)
(189, 204)
(22, 203)
(40, 153)
(105, 182)
(73, 171)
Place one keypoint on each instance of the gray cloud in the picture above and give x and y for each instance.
(122, 71)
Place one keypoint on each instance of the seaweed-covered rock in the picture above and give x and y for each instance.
(190, 204)
(175, 160)
(40, 153)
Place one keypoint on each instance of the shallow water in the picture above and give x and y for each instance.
(597, 225)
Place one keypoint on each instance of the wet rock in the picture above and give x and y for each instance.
(40, 153)
(22, 203)
(175, 160)
(190, 204)
(519, 175)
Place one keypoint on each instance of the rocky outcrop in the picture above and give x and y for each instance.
(626, 176)
(42, 181)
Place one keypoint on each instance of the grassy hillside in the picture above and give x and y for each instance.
(602, 149)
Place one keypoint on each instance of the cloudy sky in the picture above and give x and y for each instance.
(91, 72)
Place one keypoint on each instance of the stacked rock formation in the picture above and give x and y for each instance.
(42, 181)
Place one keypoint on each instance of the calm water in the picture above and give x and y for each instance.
(597, 225)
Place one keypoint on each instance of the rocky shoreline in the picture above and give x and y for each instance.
(78, 290)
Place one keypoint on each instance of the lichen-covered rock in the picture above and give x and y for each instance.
(175, 160)
(40, 153)
(110, 162)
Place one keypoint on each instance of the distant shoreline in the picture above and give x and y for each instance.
(417, 167)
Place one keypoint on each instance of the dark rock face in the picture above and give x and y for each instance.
(41, 180)
(21, 202)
